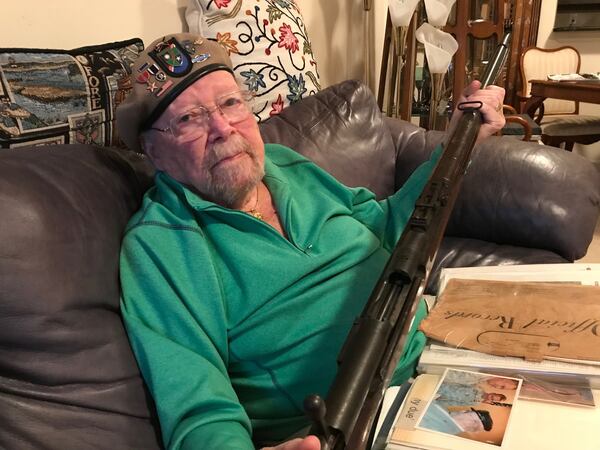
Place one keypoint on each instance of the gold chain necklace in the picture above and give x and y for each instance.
(254, 212)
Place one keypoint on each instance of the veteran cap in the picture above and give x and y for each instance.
(485, 418)
(163, 71)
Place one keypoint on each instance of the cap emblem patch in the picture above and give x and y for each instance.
(201, 57)
(172, 58)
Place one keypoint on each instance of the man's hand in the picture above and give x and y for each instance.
(492, 98)
(307, 443)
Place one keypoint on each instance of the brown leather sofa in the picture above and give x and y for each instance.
(68, 379)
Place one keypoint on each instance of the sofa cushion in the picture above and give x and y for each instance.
(63, 96)
(268, 44)
(342, 130)
(524, 194)
(68, 379)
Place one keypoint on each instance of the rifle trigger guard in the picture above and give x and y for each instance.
(470, 106)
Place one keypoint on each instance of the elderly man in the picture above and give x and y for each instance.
(246, 265)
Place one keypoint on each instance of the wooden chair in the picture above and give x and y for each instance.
(561, 122)
(519, 125)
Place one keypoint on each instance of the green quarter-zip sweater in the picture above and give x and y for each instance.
(231, 323)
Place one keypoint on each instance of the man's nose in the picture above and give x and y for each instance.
(219, 124)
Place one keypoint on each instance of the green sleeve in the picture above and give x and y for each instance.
(176, 323)
(412, 351)
(387, 218)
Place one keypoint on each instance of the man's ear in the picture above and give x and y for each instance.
(150, 150)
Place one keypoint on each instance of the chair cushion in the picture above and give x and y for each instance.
(571, 125)
(516, 129)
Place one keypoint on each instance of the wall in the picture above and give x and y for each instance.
(74, 23)
(347, 40)
(337, 29)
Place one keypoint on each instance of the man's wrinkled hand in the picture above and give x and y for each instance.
(492, 99)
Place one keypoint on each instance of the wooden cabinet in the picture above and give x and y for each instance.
(478, 26)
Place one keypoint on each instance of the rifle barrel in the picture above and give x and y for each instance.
(375, 343)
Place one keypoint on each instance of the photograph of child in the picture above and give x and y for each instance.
(471, 405)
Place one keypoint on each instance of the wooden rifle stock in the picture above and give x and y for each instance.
(375, 343)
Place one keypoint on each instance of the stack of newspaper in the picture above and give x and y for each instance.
(556, 361)
(548, 392)
(437, 357)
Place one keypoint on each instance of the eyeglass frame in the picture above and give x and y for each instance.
(247, 97)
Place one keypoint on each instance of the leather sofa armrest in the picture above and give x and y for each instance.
(514, 192)
(531, 195)
(66, 361)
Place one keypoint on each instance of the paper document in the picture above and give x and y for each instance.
(506, 318)
(586, 274)
(574, 76)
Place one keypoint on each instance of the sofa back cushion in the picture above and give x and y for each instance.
(342, 130)
(68, 379)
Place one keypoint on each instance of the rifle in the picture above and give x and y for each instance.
(377, 338)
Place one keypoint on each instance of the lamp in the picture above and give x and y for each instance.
(438, 11)
(439, 49)
(400, 13)
(437, 58)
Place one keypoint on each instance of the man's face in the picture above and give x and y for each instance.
(224, 163)
(503, 383)
(468, 420)
(491, 397)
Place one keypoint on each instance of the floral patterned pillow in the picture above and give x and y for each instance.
(268, 45)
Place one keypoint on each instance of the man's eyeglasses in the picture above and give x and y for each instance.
(193, 123)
